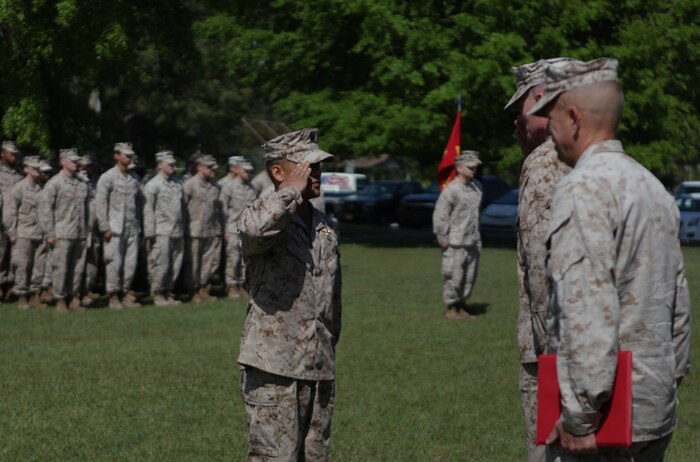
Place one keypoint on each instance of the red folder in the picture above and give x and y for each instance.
(616, 423)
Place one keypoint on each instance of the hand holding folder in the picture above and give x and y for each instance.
(616, 423)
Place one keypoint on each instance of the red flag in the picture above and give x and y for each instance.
(446, 170)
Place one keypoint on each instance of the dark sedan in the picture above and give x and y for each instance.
(499, 221)
(377, 202)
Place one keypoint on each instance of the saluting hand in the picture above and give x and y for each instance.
(298, 178)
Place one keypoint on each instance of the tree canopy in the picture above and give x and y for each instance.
(375, 77)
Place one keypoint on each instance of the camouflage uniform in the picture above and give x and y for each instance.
(541, 172)
(117, 202)
(93, 243)
(235, 197)
(618, 283)
(163, 220)
(205, 228)
(288, 343)
(21, 220)
(64, 216)
(456, 224)
(8, 177)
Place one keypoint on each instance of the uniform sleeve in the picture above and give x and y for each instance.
(441, 217)
(46, 209)
(582, 259)
(149, 210)
(220, 215)
(262, 222)
(10, 211)
(102, 203)
(681, 325)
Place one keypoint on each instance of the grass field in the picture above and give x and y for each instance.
(162, 383)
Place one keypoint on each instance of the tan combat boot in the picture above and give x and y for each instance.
(195, 298)
(35, 302)
(234, 293)
(172, 301)
(129, 301)
(75, 305)
(114, 303)
(23, 303)
(61, 306)
(46, 295)
(205, 295)
(159, 300)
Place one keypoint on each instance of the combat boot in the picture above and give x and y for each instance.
(126, 303)
(234, 293)
(204, 294)
(87, 301)
(61, 306)
(92, 296)
(453, 314)
(195, 297)
(35, 302)
(172, 301)
(114, 303)
(46, 295)
(75, 305)
(23, 303)
(159, 300)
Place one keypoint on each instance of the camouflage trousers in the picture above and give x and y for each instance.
(29, 264)
(459, 267)
(5, 270)
(121, 255)
(68, 262)
(289, 420)
(235, 269)
(204, 256)
(164, 263)
(528, 404)
(47, 281)
(92, 262)
(646, 451)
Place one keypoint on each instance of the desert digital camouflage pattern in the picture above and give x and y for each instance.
(294, 315)
(618, 284)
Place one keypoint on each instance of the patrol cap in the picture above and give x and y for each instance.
(468, 159)
(207, 159)
(296, 146)
(530, 75)
(86, 161)
(70, 154)
(166, 156)
(10, 146)
(236, 160)
(124, 148)
(32, 161)
(574, 74)
(45, 166)
(247, 166)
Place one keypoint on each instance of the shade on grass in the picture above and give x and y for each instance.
(162, 383)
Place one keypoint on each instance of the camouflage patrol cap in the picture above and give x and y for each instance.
(70, 154)
(574, 74)
(530, 75)
(9, 146)
(45, 166)
(207, 159)
(468, 159)
(297, 147)
(86, 161)
(247, 166)
(166, 156)
(124, 148)
(235, 160)
(32, 161)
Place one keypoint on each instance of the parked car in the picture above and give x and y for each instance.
(377, 202)
(336, 185)
(687, 187)
(417, 209)
(499, 220)
(689, 205)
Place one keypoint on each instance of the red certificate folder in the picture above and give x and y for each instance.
(616, 423)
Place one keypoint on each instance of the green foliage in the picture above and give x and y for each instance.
(375, 77)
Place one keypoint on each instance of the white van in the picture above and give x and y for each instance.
(335, 185)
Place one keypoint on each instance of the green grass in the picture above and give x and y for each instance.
(162, 383)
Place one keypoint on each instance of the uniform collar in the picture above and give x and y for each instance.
(602, 146)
